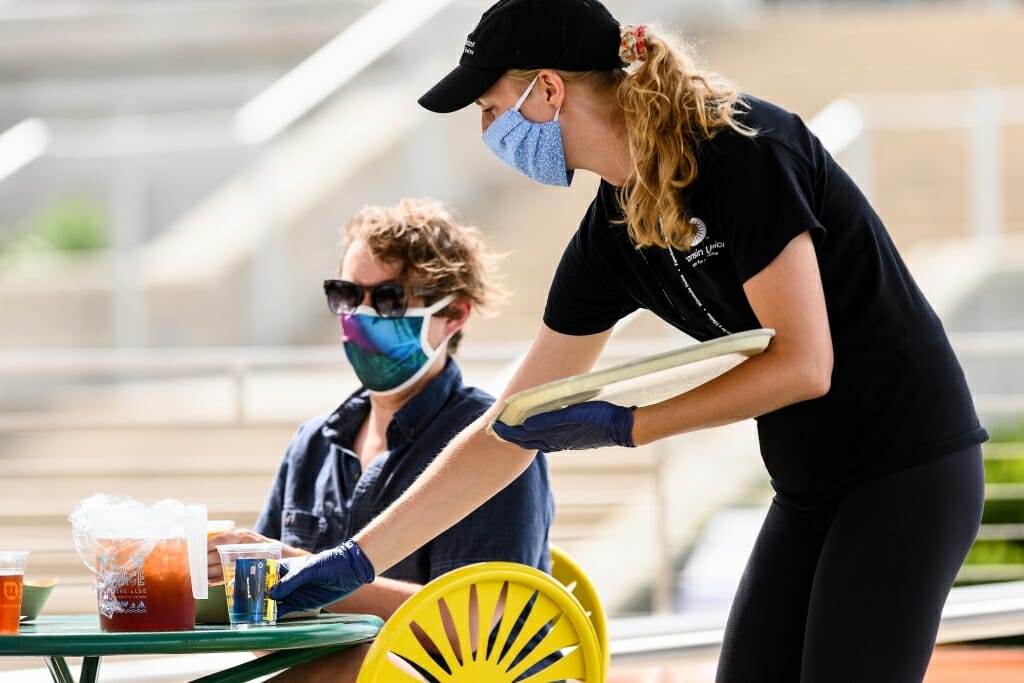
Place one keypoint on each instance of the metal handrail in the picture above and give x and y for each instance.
(845, 127)
(325, 71)
(22, 144)
(988, 343)
(971, 613)
(204, 358)
(261, 119)
(240, 364)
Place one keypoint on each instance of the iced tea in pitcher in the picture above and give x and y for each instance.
(150, 582)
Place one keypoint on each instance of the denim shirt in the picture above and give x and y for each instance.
(321, 496)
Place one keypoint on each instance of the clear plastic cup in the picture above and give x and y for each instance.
(215, 527)
(250, 569)
(12, 581)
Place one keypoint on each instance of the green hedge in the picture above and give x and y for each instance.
(68, 224)
(1003, 465)
(996, 552)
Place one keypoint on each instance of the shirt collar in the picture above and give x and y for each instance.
(342, 426)
(420, 410)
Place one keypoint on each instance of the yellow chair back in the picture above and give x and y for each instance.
(490, 622)
(567, 572)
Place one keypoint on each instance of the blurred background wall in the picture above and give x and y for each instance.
(173, 175)
(150, 215)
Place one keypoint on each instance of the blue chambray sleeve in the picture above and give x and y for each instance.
(512, 527)
(269, 521)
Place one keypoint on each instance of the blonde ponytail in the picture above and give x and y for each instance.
(670, 106)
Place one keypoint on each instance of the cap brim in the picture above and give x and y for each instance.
(460, 88)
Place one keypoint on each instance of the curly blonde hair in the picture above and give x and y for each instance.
(432, 248)
(670, 105)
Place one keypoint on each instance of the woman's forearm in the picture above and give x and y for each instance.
(473, 467)
(758, 386)
(786, 296)
(381, 598)
(476, 464)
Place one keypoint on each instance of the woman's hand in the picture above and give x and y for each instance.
(593, 424)
(214, 571)
(319, 580)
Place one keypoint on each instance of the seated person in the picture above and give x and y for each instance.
(410, 277)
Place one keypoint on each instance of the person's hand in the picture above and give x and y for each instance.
(594, 424)
(214, 570)
(316, 580)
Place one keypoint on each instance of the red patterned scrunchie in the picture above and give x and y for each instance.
(632, 47)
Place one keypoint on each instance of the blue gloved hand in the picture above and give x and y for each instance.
(313, 581)
(593, 424)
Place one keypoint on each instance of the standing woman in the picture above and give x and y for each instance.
(720, 212)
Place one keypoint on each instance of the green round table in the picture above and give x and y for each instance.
(294, 641)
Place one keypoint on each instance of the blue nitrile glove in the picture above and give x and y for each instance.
(594, 424)
(313, 581)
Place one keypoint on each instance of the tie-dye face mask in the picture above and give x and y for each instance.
(390, 354)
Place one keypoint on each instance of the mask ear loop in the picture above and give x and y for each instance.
(529, 89)
(522, 98)
(426, 314)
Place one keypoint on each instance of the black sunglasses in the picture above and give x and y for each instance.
(390, 300)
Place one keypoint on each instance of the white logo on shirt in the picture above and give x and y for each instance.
(702, 250)
(700, 231)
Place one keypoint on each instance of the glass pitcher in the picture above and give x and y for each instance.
(149, 561)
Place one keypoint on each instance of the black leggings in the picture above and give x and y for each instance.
(852, 590)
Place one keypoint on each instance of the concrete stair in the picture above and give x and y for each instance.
(230, 470)
(46, 473)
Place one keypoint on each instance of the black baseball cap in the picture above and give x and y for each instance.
(571, 35)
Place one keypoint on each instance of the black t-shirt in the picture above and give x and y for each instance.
(898, 395)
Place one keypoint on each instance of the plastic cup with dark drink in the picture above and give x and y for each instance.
(250, 569)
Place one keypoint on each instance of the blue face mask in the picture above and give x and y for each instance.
(533, 149)
(389, 355)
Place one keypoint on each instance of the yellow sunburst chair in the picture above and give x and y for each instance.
(492, 622)
(567, 572)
